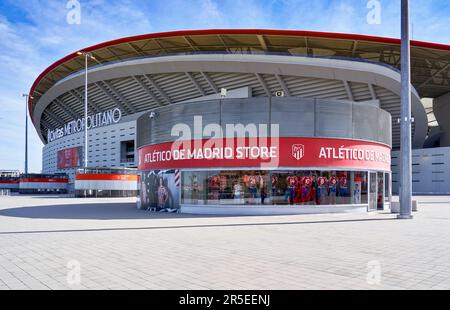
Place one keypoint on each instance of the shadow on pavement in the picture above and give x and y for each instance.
(89, 211)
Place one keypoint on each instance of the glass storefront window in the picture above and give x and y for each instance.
(274, 188)
(359, 187)
(381, 193)
(318, 188)
(194, 186)
(387, 188)
(225, 187)
(373, 191)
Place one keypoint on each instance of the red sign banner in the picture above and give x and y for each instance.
(9, 181)
(266, 153)
(43, 180)
(106, 177)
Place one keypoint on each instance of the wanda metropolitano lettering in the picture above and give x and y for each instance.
(101, 119)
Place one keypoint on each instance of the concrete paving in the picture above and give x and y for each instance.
(66, 243)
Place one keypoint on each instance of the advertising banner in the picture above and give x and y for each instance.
(266, 152)
(70, 158)
(159, 191)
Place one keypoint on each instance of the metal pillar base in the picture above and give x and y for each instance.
(405, 217)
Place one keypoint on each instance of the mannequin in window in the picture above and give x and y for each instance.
(237, 193)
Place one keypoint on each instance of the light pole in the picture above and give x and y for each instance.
(26, 131)
(86, 57)
(406, 119)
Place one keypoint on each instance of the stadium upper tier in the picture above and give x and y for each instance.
(117, 81)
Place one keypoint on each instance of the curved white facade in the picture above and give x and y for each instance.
(160, 81)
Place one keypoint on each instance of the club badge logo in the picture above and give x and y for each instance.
(298, 151)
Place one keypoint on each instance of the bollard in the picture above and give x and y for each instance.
(415, 205)
(395, 207)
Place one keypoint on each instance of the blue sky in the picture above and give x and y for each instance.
(35, 33)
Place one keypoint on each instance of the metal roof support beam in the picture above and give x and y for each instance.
(283, 85)
(147, 90)
(147, 42)
(223, 43)
(196, 84)
(190, 43)
(210, 82)
(136, 49)
(372, 92)
(160, 46)
(66, 109)
(263, 43)
(308, 52)
(382, 58)
(80, 97)
(93, 107)
(355, 45)
(124, 101)
(110, 96)
(263, 84)
(442, 87)
(80, 100)
(348, 90)
(158, 89)
(392, 56)
(46, 124)
(54, 117)
(434, 75)
(80, 64)
(109, 49)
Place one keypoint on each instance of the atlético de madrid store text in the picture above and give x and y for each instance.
(245, 176)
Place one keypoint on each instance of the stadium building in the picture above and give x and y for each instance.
(246, 121)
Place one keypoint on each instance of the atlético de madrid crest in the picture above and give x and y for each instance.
(298, 151)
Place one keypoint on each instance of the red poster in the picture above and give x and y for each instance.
(69, 158)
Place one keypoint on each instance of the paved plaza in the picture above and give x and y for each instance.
(67, 243)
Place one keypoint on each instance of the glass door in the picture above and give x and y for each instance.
(387, 189)
(373, 191)
(380, 191)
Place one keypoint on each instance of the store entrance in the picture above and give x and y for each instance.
(373, 191)
(380, 191)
